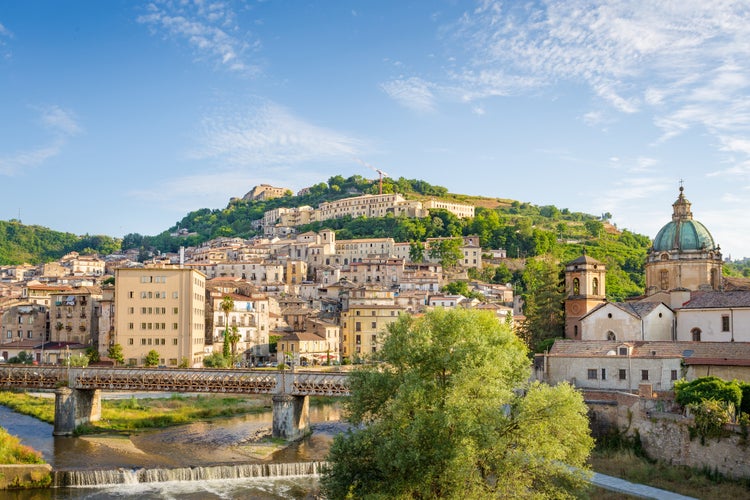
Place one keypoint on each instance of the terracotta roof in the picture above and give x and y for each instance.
(693, 353)
(302, 336)
(709, 300)
(732, 283)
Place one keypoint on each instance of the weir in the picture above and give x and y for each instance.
(78, 390)
(82, 478)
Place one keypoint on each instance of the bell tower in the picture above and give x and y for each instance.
(585, 289)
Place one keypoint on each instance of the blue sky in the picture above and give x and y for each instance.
(121, 116)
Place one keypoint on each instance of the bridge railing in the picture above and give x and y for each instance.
(233, 381)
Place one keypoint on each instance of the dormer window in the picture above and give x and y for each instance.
(623, 351)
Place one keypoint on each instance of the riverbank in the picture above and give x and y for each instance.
(21, 466)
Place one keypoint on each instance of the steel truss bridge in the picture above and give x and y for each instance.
(294, 383)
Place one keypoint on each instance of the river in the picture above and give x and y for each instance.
(200, 444)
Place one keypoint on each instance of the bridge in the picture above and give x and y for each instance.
(78, 390)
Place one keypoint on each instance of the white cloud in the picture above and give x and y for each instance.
(61, 123)
(269, 135)
(413, 93)
(209, 28)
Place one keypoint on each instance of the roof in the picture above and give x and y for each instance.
(302, 337)
(638, 309)
(683, 233)
(693, 353)
(718, 300)
(584, 259)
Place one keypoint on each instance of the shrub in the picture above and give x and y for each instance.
(707, 388)
(710, 416)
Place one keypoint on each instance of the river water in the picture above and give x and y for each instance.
(219, 442)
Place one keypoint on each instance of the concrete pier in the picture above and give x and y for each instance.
(291, 416)
(74, 407)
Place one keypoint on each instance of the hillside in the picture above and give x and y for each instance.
(523, 229)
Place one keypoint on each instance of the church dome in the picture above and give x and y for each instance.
(683, 233)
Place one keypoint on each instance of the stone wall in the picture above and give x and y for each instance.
(20, 476)
(665, 436)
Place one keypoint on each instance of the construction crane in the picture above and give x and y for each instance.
(381, 174)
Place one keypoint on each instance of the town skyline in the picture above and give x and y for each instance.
(130, 115)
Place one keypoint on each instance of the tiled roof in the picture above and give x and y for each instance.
(709, 300)
(694, 353)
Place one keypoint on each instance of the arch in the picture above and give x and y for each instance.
(696, 334)
(611, 335)
(664, 256)
(595, 286)
(576, 286)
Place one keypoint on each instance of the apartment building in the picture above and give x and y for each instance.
(378, 271)
(250, 316)
(25, 321)
(161, 309)
(74, 315)
(458, 209)
(369, 312)
(356, 250)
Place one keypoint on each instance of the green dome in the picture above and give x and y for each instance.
(683, 233)
(683, 236)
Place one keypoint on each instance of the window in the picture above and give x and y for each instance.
(611, 335)
(357, 326)
(575, 330)
(130, 342)
(143, 341)
(696, 334)
(592, 373)
(673, 375)
(644, 374)
(623, 374)
(725, 323)
(374, 324)
(576, 286)
(174, 326)
(604, 374)
(174, 341)
(595, 287)
(623, 351)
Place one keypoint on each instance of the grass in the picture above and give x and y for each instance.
(13, 452)
(625, 464)
(132, 415)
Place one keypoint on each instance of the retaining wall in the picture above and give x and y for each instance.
(23, 475)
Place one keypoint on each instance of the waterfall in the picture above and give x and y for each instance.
(91, 478)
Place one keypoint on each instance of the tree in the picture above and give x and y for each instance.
(416, 252)
(543, 302)
(92, 354)
(227, 305)
(115, 354)
(233, 338)
(215, 360)
(447, 251)
(152, 358)
(450, 413)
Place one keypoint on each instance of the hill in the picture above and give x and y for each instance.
(523, 229)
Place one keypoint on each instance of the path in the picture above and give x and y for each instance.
(638, 490)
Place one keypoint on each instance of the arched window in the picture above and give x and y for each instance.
(575, 330)
(611, 335)
(576, 286)
(696, 334)
(595, 286)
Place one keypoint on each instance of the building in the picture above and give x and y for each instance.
(684, 255)
(265, 192)
(458, 209)
(585, 287)
(368, 313)
(74, 316)
(161, 309)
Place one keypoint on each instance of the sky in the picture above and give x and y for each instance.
(121, 116)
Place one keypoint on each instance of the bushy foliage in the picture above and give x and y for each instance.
(710, 416)
(445, 416)
(707, 388)
(216, 360)
(152, 358)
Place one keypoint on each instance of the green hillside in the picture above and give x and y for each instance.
(523, 229)
(21, 244)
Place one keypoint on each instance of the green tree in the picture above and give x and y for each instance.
(233, 338)
(92, 354)
(227, 306)
(115, 354)
(416, 251)
(450, 414)
(543, 302)
(215, 360)
(152, 359)
(447, 251)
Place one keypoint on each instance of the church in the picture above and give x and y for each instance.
(690, 322)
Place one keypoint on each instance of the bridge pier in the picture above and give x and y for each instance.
(291, 416)
(74, 407)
